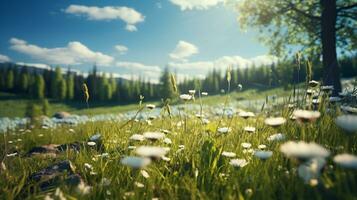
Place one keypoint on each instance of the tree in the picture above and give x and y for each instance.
(24, 80)
(39, 87)
(167, 91)
(320, 26)
(56, 82)
(70, 86)
(10, 79)
(62, 90)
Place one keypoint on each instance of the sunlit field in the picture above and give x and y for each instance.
(178, 100)
(195, 152)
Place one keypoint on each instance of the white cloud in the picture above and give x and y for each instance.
(37, 65)
(129, 15)
(183, 50)
(73, 54)
(121, 49)
(4, 58)
(135, 70)
(196, 4)
(201, 68)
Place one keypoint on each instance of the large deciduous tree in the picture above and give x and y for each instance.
(318, 26)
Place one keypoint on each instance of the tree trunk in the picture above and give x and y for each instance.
(331, 74)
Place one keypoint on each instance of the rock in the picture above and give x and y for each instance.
(55, 175)
(51, 150)
(61, 115)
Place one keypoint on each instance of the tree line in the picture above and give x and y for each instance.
(67, 86)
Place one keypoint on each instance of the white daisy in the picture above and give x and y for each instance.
(263, 154)
(135, 162)
(154, 135)
(185, 97)
(137, 137)
(262, 146)
(204, 93)
(246, 145)
(303, 150)
(276, 137)
(167, 141)
(192, 92)
(347, 122)
(150, 106)
(151, 151)
(249, 129)
(275, 121)
(245, 115)
(228, 154)
(346, 160)
(306, 115)
(238, 162)
(91, 143)
(224, 130)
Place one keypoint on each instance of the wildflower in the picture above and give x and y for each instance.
(105, 182)
(246, 145)
(151, 151)
(303, 150)
(311, 169)
(249, 192)
(238, 163)
(275, 121)
(306, 115)
(88, 166)
(313, 83)
(145, 174)
(185, 97)
(228, 154)
(167, 141)
(224, 130)
(262, 146)
(246, 115)
(164, 158)
(154, 135)
(263, 154)
(11, 154)
(137, 137)
(276, 137)
(346, 160)
(192, 92)
(131, 147)
(240, 87)
(249, 129)
(95, 137)
(139, 185)
(150, 106)
(91, 143)
(204, 93)
(83, 189)
(347, 122)
(135, 162)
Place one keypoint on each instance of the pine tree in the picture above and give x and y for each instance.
(62, 89)
(166, 86)
(39, 87)
(70, 86)
(10, 80)
(24, 80)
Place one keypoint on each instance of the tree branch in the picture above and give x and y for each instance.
(305, 14)
(347, 7)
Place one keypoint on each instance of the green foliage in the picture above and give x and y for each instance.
(167, 91)
(10, 80)
(45, 107)
(62, 86)
(39, 87)
(32, 110)
(70, 87)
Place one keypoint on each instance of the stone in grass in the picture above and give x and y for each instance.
(54, 175)
(61, 115)
(52, 150)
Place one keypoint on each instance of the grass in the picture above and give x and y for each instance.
(197, 172)
(14, 105)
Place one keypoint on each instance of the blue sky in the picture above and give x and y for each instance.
(189, 36)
